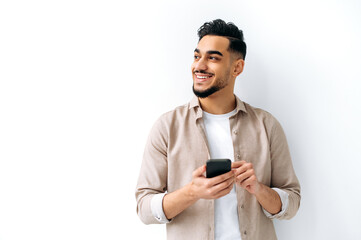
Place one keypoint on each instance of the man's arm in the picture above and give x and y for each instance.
(269, 199)
(284, 179)
(199, 188)
(152, 178)
(246, 178)
(283, 174)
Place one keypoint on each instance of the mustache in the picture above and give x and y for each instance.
(202, 71)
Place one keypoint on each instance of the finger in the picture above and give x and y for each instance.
(221, 178)
(238, 164)
(215, 190)
(199, 171)
(240, 170)
(215, 186)
(225, 184)
(248, 182)
(245, 167)
(224, 191)
(243, 176)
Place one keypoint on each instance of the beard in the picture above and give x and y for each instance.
(220, 84)
(207, 92)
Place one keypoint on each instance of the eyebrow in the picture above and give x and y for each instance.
(210, 52)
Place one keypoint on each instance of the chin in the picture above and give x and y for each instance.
(200, 89)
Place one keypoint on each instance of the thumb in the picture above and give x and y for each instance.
(199, 171)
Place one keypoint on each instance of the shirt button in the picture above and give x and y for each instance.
(238, 156)
(245, 232)
(242, 206)
(235, 132)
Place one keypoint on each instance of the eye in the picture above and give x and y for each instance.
(196, 57)
(213, 58)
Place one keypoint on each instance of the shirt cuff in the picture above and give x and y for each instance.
(284, 199)
(156, 205)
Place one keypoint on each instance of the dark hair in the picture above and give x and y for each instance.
(219, 27)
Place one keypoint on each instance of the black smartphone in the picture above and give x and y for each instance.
(217, 167)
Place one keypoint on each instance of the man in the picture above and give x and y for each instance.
(262, 184)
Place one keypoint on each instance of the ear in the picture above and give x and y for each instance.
(238, 67)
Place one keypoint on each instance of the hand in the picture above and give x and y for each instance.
(210, 188)
(246, 177)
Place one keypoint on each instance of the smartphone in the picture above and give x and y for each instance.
(217, 167)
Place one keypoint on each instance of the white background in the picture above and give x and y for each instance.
(82, 82)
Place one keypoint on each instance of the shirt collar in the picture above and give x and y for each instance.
(194, 103)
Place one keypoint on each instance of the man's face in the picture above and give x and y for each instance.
(212, 65)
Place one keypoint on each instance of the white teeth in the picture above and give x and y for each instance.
(203, 77)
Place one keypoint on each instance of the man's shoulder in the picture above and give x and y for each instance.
(178, 112)
(174, 117)
(257, 111)
(259, 114)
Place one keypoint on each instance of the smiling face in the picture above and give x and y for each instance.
(212, 66)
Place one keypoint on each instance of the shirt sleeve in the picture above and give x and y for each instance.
(283, 174)
(152, 178)
(157, 208)
(284, 199)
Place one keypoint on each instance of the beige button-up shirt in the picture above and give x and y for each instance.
(177, 145)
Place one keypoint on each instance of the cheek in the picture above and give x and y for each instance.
(217, 71)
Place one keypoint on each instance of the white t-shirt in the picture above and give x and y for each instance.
(218, 133)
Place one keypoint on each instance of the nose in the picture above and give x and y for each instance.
(200, 65)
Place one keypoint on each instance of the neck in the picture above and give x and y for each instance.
(218, 103)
